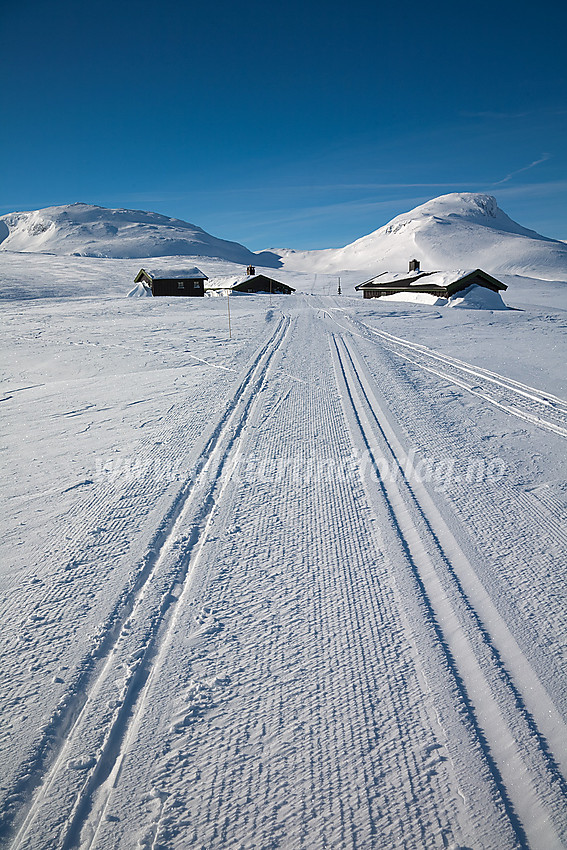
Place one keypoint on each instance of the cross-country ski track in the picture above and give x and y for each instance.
(324, 648)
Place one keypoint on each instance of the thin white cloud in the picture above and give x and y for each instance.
(490, 115)
(508, 177)
(533, 190)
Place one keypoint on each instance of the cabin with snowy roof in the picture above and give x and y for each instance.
(185, 282)
(254, 284)
(440, 284)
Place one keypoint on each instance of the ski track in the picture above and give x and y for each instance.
(120, 644)
(98, 550)
(313, 654)
(517, 722)
(295, 708)
(163, 453)
(528, 403)
(521, 564)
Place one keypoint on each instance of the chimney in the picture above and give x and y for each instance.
(250, 271)
(414, 265)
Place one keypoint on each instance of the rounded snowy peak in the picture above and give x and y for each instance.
(82, 213)
(93, 231)
(467, 204)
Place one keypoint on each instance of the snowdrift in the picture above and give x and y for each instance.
(473, 298)
(140, 291)
(477, 298)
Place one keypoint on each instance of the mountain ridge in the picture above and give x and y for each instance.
(89, 230)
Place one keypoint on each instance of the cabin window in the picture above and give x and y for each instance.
(180, 284)
(196, 284)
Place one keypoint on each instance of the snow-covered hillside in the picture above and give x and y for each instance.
(92, 231)
(452, 231)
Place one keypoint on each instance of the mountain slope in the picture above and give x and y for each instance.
(92, 231)
(460, 230)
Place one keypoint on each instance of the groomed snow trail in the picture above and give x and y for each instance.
(316, 655)
(515, 719)
(115, 688)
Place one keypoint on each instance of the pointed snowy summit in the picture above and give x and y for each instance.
(460, 230)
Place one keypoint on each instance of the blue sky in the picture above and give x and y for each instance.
(300, 124)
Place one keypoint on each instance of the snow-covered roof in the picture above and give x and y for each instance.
(248, 277)
(176, 274)
(435, 279)
(227, 283)
(443, 278)
(392, 277)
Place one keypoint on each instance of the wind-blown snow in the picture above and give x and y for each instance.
(473, 298)
(416, 298)
(140, 291)
(452, 231)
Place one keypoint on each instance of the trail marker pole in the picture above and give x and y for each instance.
(228, 308)
(339, 289)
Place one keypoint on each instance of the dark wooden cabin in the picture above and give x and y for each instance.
(185, 282)
(440, 284)
(255, 283)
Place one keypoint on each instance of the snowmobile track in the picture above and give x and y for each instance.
(98, 721)
(521, 734)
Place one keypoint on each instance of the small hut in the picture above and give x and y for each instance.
(255, 284)
(261, 283)
(184, 282)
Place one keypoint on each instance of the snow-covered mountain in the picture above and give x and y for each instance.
(92, 231)
(460, 230)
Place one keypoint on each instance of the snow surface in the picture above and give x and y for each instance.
(394, 277)
(416, 298)
(299, 587)
(477, 298)
(140, 291)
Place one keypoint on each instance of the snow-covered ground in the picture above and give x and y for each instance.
(303, 587)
